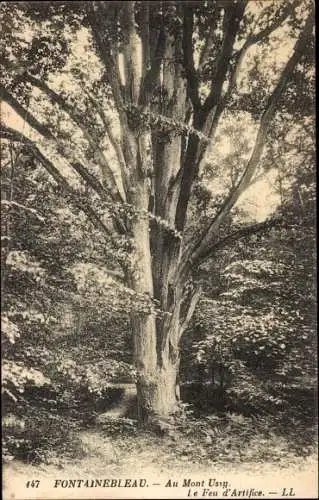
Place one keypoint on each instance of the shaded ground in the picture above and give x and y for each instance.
(100, 455)
(228, 445)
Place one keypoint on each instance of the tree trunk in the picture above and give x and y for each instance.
(158, 393)
(156, 339)
(157, 362)
(158, 162)
(157, 366)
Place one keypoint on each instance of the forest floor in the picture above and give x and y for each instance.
(99, 455)
(226, 445)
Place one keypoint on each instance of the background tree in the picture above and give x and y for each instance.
(126, 133)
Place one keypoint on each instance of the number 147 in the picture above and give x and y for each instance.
(33, 484)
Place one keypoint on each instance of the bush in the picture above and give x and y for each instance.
(234, 437)
(33, 435)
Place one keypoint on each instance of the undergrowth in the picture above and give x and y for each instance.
(37, 435)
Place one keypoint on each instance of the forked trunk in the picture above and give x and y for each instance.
(156, 339)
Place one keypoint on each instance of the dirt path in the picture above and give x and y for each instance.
(121, 408)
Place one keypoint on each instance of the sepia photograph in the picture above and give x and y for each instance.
(158, 249)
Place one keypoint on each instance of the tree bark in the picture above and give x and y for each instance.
(155, 341)
(158, 393)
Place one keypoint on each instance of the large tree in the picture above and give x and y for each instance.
(123, 102)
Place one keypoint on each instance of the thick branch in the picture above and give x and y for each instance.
(152, 75)
(188, 58)
(214, 103)
(233, 16)
(193, 303)
(90, 179)
(186, 175)
(131, 54)
(237, 235)
(145, 37)
(108, 54)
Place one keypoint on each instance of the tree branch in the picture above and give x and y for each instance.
(288, 9)
(42, 129)
(13, 135)
(108, 56)
(258, 37)
(188, 58)
(104, 46)
(236, 235)
(208, 44)
(233, 16)
(46, 133)
(115, 142)
(213, 118)
(9, 204)
(186, 176)
(195, 252)
(214, 103)
(25, 114)
(145, 37)
(131, 54)
(193, 303)
(79, 120)
(151, 77)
